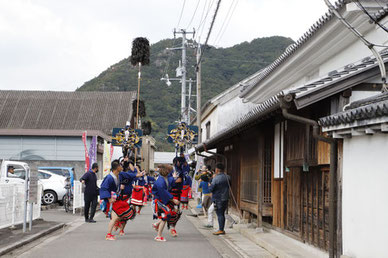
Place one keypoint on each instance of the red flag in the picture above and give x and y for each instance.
(111, 151)
(86, 152)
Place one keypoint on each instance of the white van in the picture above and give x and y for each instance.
(21, 169)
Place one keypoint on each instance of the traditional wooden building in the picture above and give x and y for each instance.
(286, 173)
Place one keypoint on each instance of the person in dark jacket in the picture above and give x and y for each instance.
(89, 179)
(220, 196)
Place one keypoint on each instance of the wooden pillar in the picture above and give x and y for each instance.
(260, 179)
(339, 199)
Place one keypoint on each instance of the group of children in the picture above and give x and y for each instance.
(125, 190)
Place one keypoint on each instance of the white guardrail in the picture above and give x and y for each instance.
(12, 201)
(78, 195)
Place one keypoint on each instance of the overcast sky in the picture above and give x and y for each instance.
(60, 44)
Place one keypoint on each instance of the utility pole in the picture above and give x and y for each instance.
(184, 71)
(198, 69)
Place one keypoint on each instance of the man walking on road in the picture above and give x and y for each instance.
(220, 190)
(89, 179)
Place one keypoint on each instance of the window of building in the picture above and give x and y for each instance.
(279, 150)
(208, 130)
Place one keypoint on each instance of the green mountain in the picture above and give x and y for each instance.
(221, 68)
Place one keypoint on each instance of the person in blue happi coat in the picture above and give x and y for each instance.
(163, 200)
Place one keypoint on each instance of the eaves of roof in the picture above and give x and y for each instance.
(254, 116)
(325, 86)
(372, 108)
(381, 13)
(51, 132)
(293, 48)
(336, 81)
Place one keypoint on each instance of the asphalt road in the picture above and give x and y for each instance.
(88, 240)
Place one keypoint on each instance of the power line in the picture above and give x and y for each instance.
(180, 16)
(234, 60)
(205, 18)
(370, 16)
(227, 24)
(203, 12)
(210, 31)
(195, 11)
(226, 18)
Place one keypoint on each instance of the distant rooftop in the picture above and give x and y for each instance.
(55, 110)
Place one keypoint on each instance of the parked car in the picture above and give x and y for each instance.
(53, 186)
(62, 171)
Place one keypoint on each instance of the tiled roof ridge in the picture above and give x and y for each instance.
(348, 69)
(299, 43)
(370, 111)
(367, 101)
(380, 14)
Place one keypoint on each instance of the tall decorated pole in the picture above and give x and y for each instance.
(140, 56)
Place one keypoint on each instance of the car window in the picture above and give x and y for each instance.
(42, 175)
(19, 172)
(66, 172)
(57, 171)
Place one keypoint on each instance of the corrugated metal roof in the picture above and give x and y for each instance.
(65, 110)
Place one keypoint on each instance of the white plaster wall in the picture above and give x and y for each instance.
(230, 111)
(365, 196)
(213, 118)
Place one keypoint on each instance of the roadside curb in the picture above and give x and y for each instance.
(30, 239)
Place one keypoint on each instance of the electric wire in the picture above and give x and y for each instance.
(227, 24)
(210, 31)
(192, 18)
(202, 25)
(233, 60)
(203, 12)
(224, 22)
(180, 16)
(370, 16)
(207, 8)
(378, 3)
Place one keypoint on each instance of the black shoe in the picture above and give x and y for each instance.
(92, 221)
(86, 220)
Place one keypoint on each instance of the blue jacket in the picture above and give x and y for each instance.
(140, 181)
(187, 180)
(108, 185)
(160, 191)
(220, 187)
(127, 179)
(172, 180)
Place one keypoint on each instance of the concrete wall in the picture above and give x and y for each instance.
(365, 196)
